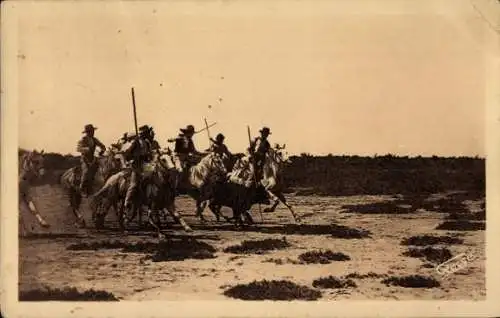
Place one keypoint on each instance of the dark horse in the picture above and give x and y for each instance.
(240, 191)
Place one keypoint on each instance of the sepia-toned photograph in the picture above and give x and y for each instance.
(251, 151)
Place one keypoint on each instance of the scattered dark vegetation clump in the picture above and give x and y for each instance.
(431, 254)
(99, 245)
(35, 236)
(65, 294)
(272, 290)
(412, 281)
(322, 257)
(280, 261)
(333, 282)
(363, 276)
(258, 246)
(471, 216)
(168, 250)
(424, 240)
(461, 225)
(390, 207)
(337, 231)
(179, 250)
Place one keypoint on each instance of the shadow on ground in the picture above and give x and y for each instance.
(336, 231)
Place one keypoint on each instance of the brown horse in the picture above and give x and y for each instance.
(31, 168)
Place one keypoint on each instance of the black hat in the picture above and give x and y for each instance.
(189, 129)
(144, 128)
(220, 137)
(265, 130)
(89, 128)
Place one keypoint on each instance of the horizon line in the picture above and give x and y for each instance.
(319, 155)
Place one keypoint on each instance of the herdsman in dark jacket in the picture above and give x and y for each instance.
(87, 146)
(219, 147)
(139, 153)
(258, 150)
(184, 148)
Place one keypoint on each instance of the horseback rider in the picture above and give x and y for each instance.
(87, 146)
(219, 147)
(259, 147)
(184, 148)
(137, 154)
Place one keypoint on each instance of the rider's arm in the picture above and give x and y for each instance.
(100, 144)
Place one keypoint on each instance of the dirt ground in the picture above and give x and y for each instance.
(196, 267)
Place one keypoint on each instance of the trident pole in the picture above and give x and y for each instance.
(135, 112)
(208, 132)
(254, 175)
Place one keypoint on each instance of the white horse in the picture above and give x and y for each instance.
(156, 192)
(198, 181)
(31, 167)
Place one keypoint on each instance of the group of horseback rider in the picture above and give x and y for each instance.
(139, 149)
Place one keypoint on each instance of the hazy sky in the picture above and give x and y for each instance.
(357, 77)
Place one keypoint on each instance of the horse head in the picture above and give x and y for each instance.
(34, 163)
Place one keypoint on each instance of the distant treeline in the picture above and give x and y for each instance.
(353, 175)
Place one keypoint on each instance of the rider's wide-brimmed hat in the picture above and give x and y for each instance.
(265, 130)
(188, 130)
(220, 137)
(144, 128)
(88, 128)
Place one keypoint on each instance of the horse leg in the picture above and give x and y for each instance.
(281, 198)
(155, 223)
(25, 228)
(216, 211)
(248, 217)
(34, 211)
(75, 202)
(177, 217)
(275, 200)
(273, 207)
(200, 207)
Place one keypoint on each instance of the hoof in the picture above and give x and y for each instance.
(45, 225)
(188, 229)
(161, 236)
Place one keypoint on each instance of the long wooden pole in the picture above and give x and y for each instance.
(135, 113)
